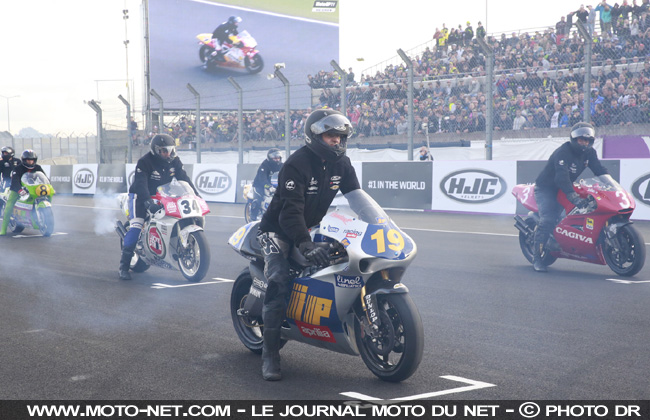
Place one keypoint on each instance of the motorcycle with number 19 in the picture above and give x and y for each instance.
(356, 305)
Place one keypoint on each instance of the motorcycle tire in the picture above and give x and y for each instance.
(205, 53)
(247, 211)
(15, 227)
(629, 259)
(45, 218)
(254, 66)
(250, 330)
(398, 352)
(526, 245)
(137, 265)
(194, 261)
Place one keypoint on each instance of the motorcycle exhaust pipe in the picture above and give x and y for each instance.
(120, 229)
(522, 226)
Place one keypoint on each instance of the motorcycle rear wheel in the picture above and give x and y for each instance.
(526, 243)
(194, 260)
(398, 352)
(629, 259)
(45, 219)
(14, 226)
(247, 211)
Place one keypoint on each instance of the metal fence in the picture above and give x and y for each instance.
(60, 150)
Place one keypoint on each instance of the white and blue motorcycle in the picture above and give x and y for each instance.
(356, 305)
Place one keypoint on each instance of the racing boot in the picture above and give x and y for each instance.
(125, 264)
(538, 264)
(271, 355)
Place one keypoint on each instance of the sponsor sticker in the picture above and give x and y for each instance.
(349, 282)
(317, 332)
(290, 185)
(155, 242)
(589, 224)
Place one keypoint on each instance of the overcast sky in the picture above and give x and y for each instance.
(58, 54)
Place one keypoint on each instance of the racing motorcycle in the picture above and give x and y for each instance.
(600, 233)
(173, 236)
(239, 53)
(249, 196)
(34, 206)
(357, 305)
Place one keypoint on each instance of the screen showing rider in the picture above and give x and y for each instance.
(28, 164)
(222, 34)
(7, 164)
(262, 182)
(152, 170)
(307, 184)
(563, 167)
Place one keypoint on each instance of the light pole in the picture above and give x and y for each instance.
(198, 121)
(240, 119)
(8, 118)
(344, 77)
(409, 64)
(287, 117)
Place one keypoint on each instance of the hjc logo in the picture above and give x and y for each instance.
(473, 186)
(84, 178)
(641, 189)
(213, 182)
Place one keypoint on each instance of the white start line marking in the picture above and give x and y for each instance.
(175, 286)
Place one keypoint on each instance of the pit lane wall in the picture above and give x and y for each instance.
(450, 186)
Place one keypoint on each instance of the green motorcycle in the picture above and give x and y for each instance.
(34, 207)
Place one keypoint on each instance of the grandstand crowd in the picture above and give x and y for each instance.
(539, 83)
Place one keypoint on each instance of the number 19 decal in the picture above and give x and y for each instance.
(394, 237)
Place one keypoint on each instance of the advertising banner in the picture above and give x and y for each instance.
(528, 170)
(474, 187)
(111, 179)
(84, 178)
(216, 182)
(130, 173)
(245, 175)
(61, 178)
(399, 185)
(635, 178)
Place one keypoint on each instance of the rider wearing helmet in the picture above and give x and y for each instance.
(28, 164)
(262, 182)
(7, 165)
(307, 184)
(222, 34)
(563, 167)
(153, 169)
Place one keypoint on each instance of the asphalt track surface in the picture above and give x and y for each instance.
(494, 328)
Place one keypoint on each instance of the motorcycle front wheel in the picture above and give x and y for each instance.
(205, 53)
(397, 353)
(247, 211)
(194, 260)
(255, 64)
(526, 243)
(627, 257)
(45, 219)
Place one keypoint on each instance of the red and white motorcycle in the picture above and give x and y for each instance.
(173, 236)
(239, 53)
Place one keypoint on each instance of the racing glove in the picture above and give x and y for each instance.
(314, 253)
(577, 201)
(152, 206)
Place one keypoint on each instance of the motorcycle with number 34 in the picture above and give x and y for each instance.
(600, 233)
(356, 305)
(173, 236)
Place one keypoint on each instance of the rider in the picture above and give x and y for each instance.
(563, 167)
(222, 34)
(152, 170)
(28, 160)
(262, 181)
(8, 164)
(307, 184)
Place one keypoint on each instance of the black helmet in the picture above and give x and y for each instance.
(327, 121)
(7, 152)
(162, 142)
(275, 158)
(29, 154)
(582, 130)
(234, 20)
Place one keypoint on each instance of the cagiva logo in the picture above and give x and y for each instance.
(641, 189)
(84, 178)
(473, 186)
(574, 235)
(213, 181)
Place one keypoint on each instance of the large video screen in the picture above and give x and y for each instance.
(301, 34)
